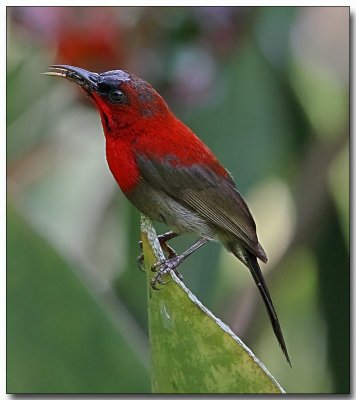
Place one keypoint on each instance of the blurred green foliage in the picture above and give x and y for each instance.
(267, 89)
(55, 322)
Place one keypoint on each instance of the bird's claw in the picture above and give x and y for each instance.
(171, 255)
(157, 279)
(164, 267)
(161, 267)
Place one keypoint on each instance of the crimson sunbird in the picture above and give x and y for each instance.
(170, 175)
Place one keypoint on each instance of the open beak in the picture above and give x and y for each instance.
(86, 79)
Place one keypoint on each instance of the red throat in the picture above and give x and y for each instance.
(122, 164)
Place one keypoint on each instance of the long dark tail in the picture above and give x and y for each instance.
(262, 287)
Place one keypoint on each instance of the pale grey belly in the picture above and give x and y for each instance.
(160, 207)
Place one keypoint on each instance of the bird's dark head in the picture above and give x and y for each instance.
(121, 98)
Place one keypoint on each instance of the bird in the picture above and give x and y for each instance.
(170, 175)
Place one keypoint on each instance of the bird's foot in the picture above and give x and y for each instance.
(164, 267)
(165, 247)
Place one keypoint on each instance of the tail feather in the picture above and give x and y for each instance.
(262, 287)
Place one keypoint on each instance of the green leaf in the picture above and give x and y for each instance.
(192, 351)
(59, 337)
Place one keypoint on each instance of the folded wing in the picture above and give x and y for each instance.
(207, 193)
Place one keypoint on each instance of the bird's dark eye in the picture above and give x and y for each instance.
(117, 96)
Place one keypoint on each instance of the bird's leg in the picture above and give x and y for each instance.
(171, 254)
(171, 264)
(162, 241)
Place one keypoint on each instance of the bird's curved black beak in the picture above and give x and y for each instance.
(86, 79)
